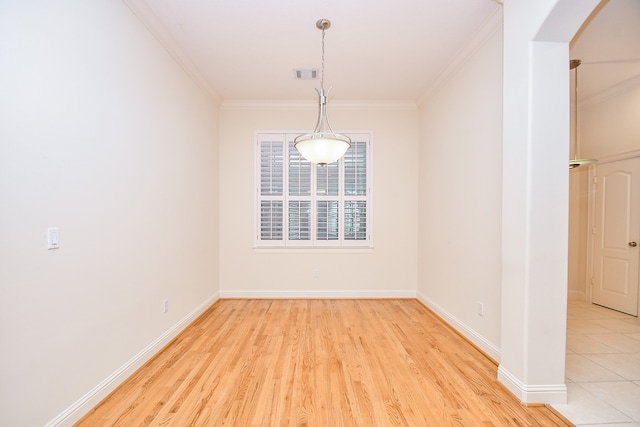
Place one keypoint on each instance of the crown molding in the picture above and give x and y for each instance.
(145, 15)
(239, 104)
(491, 26)
(622, 88)
(620, 156)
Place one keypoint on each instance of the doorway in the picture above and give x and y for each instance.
(602, 268)
(616, 233)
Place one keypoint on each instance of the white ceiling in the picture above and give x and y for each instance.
(609, 47)
(379, 50)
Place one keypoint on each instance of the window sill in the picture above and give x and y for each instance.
(315, 250)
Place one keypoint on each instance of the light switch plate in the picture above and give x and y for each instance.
(53, 238)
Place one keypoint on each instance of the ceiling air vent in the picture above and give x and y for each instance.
(307, 74)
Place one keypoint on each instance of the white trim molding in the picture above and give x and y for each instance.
(147, 17)
(309, 250)
(317, 294)
(542, 393)
(87, 402)
(469, 333)
(492, 25)
(617, 89)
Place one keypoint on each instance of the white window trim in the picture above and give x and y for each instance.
(312, 246)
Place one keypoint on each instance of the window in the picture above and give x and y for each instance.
(299, 204)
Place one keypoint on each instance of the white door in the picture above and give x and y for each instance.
(617, 235)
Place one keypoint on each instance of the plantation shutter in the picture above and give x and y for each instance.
(299, 196)
(327, 202)
(301, 204)
(355, 192)
(271, 188)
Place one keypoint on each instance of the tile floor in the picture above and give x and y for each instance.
(603, 367)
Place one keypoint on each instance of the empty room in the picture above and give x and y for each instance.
(297, 213)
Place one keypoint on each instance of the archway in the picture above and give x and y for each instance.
(535, 195)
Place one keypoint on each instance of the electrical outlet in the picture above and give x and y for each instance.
(480, 309)
(316, 273)
(165, 306)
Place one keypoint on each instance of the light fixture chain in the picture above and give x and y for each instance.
(575, 112)
(322, 74)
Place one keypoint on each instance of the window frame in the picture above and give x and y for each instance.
(313, 243)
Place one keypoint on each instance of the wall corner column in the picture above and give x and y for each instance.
(535, 195)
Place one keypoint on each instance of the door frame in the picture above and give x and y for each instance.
(591, 218)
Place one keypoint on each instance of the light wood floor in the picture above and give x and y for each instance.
(317, 363)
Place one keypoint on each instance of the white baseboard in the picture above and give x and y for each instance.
(316, 294)
(483, 344)
(87, 402)
(546, 393)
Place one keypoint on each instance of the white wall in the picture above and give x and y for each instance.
(105, 137)
(460, 197)
(389, 270)
(610, 125)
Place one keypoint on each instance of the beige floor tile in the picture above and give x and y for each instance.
(583, 407)
(590, 314)
(623, 395)
(586, 326)
(633, 320)
(610, 425)
(619, 325)
(620, 342)
(580, 343)
(580, 369)
(627, 365)
(589, 365)
(606, 313)
(609, 313)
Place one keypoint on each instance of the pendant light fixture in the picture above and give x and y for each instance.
(576, 163)
(323, 146)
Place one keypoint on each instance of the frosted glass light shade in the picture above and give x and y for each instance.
(321, 147)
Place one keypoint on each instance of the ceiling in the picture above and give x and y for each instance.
(379, 50)
(374, 51)
(609, 47)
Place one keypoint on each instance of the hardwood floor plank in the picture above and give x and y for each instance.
(317, 363)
